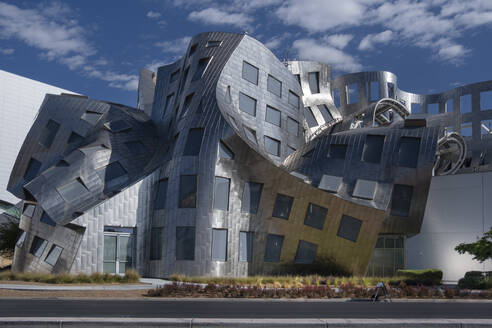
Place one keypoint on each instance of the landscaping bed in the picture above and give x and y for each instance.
(131, 276)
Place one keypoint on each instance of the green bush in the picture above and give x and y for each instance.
(421, 277)
(131, 276)
(476, 280)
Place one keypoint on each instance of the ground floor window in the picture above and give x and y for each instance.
(387, 257)
(118, 249)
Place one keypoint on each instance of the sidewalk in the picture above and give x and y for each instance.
(145, 283)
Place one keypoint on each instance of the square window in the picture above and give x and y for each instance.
(315, 216)
(486, 100)
(73, 191)
(349, 228)
(219, 245)
(365, 189)
(274, 86)
(401, 200)
(224, 151)
(193, 142)
(352, 93)
(272, 146)
(251, 197)
(53, 255)
(187, 191)
(325, 112)
(433, 109)
(310, 119)
(273, 248)
(272, 115)
(114, 171)
(373, 149)
(408, 154)
(337, 151)
(313, 78)
(292, 126)
(306, 252)
(246, 246)
(465, 104)
(185, 243)
(293, 99)
(221, 193)
(247, 104)
(161, 195)
(282, 207)
(37, 247)
(155, 244)
(49, 133)
(46, 219)
(250, 73)
(330, 183)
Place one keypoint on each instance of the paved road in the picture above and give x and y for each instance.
(241, 309)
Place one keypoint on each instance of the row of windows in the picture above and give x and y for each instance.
(311, 119)
(352, 92)
(465, 104)
(185, 243)
(38, 246)
(250, 73)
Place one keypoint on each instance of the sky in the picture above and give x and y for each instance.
(97, 48)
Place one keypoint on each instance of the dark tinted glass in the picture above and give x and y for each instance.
(221, 193)
(224, 151)
(37, 247)
(193, 142)
(91, 117)
(315, 216)
(160, 197)
(401, 200)
(282, 206)
(338, 151)
(45, 218)
(293, 99)
(32, 169)
(174, 76)
(245, 246)
(73, 190)
(202, 66)
(75, 138)
(311, 120)
(136, 147)
(53, 255)
(185, 243)
(274, 86)
(293, 126)
(187, 103)
(273, 248)
(349, 228)
(250, 73)
(272, 146)
(247, 104)
(272, 115)
(156, 244)
(306, 252)
(251, 197)
(408, 155)
(219, 245)
(314, 82)
(113, 171)
(49, 133)
(187, 191)
(325, 112)
(373, 149)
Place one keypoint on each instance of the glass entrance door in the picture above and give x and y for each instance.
(118, 252)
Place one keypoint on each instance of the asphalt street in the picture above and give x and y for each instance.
(209, 308)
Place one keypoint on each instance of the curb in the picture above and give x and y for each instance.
(199, 322)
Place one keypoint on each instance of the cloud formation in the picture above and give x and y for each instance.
(214, 16)
(176, 47)
(370, 40)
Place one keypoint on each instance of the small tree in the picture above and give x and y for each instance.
(9, 231)
(481, 249)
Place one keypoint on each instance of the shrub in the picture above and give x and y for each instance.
(476, 280)
(421, 277)
(131, 276)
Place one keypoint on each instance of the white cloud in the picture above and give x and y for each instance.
(339, 41)
(153, 66)
(276, 41)
(214, 16)
(311, 49)
(177, 46)
(6, 51)
(370, 40)
(153, 15)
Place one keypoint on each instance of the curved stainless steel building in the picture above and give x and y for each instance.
(238, 164)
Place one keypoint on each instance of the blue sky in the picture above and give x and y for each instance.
(98, 47)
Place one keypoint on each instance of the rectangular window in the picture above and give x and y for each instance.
(73, 191)
(161, 195)
(75, 138)
(274, 86)
(247, 104)
(311, 120)
(273, 248)
(373, 149)
(53, 255)
(187, 104)
(449, 106)
(272, 115)
(219, 245)
(174, 76)
(250, 73)
(352, 93)
(337, 151)
(114, 171)
(330, 183)
(391, 90)
(246, 246)
(110, 252)
(221, 193)
(193, 49)
(315, 216)
(433, 109)
(374, 91)
(336, 97)
(408, 154)
(37, 247)
(401, 200)
(313, 78)
(365, 189)
(46, 219)
(49, 133)
(292, 126)
(325, 113)
(187, 191)
(466, 104)
(283, 204)
(169, 101)
(224, 151)
(155, 244)
(414, 108)
(306, 252)
(349, 228)
(91, 117)
(185, 243)
(486, 100)
(293, 99)
(272, 146)
(201, 68)
(251, 197)
(193, 142)
(213, 43)
(466, 129)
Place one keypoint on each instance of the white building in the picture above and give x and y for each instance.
(20, 99)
